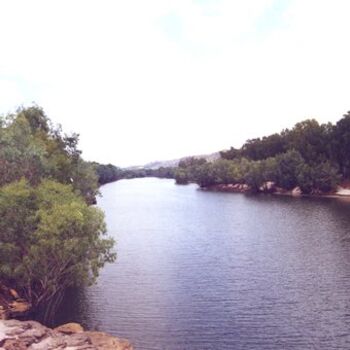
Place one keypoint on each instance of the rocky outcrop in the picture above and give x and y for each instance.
(31, 335)
(268, 187)
(70, 328)
(11, 304)
(342, 191)
(237, 188)
(271, 187)
(296, 191)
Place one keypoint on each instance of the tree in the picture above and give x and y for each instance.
(50, 240)
(181, 176)
(107, 172)
(287, 169)
(232, 153)
(204, 175)
(341, 144)
(254, 177)
(223, 171)
(322, 177)
(20, 154)
(32, 148)
(84, 179)
(36, 117)
(311, 140)
(268, 146)
(191, 162)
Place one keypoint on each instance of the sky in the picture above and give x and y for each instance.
(147, 80)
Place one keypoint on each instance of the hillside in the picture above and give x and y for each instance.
(175, 162)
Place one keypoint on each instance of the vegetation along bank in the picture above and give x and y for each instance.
(51, 238)
(310, 158)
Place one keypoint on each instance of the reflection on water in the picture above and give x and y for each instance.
(204, 270)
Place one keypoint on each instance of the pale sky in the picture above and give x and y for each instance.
(145, 80)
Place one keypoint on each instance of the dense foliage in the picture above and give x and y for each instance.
(32, 148)
(313, 156)
(50, 236)
(109, 173)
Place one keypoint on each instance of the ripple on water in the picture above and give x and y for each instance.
(202, 270)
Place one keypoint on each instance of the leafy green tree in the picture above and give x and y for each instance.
(107, 173)
(223, 171)
(36, 118)
(181, 176)
(20, 155)
(232, 153)
(32, 148)
(188, 168)
(204, 175)
(305, 178)
(268, 146)
(320, 178)
(191, 162)
(326, 177)
(239, 169)
(254, 177)
(84, 180)
(50, 240)
(162, 172)
(340, 145)
(287, 169)
(311, 140)
(269, 168)
(314, 156)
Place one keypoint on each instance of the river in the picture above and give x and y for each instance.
(207, 270)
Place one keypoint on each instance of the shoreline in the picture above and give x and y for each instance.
(340, 193)
(22, 335)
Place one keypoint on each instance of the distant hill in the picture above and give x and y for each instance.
(174, 162)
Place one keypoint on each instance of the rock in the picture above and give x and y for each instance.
(70, 328)
(107, 342)
(19, 307)
(31, 335)
(245, 188)
(341, 191)
(13, 344)
(11, 304)
(296, 191)
(268, 187)
(240, 188)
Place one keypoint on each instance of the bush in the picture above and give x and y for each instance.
(50, 239)
(181, 176)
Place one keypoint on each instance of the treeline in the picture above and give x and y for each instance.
(313, 156)
(34, 149)
(51, 238)
(108, 173)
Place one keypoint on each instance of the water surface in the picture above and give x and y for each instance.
(205, 270)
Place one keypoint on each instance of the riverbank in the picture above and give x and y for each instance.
(23, 335)
(270, 188)
(11, 304)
